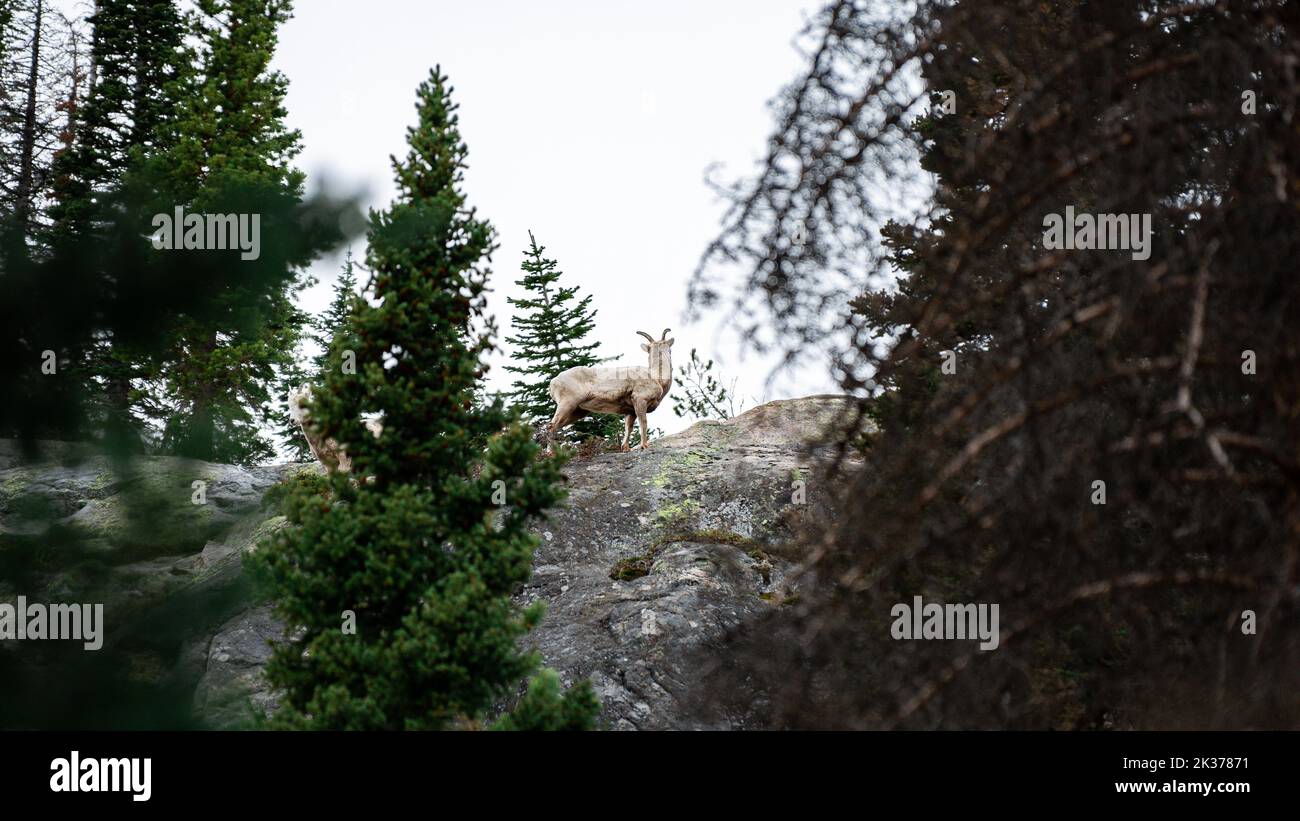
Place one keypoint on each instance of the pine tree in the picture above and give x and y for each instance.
(550, 327)
(215, 393)
(39, 82)
(426, 551)
(293, 373)
(333, 323)
(9, 43)
(325, 329)
(136, 60)
(544, 708)
(6, 18)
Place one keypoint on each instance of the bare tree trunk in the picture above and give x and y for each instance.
(27, 151)
(202, 438)
(69, 136)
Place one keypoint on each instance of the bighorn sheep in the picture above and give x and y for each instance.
(631, 392)
(330, 453)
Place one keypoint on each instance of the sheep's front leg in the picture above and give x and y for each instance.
(645, 431)
(627, 431)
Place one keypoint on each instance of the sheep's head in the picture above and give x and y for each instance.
(297, 400)
(660, 361)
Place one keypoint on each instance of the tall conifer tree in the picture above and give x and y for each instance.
(137, 61)
(230, 135)
(137, 57)
(333, 323)
(425, 552)
(39, 85)
(324, 330)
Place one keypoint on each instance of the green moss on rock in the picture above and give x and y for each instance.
(634, 567)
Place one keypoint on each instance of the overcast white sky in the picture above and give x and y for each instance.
(591, 123)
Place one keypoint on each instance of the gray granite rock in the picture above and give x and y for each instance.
(655, 555)
(708, 512)
(232, 689)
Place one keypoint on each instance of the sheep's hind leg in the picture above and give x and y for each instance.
(627, 431)
(564, 415)
(555, 424)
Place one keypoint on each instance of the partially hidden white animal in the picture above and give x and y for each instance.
(631, 392)
(329, 452)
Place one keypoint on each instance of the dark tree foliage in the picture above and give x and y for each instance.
(426, 548)
(137, 56)
(109, 288)
(115, 285)
(6, 19)
(546, 707)
(137, 62)
(214, 396)
(920, 217)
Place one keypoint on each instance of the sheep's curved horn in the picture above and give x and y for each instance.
(665, 336)
(646, 335)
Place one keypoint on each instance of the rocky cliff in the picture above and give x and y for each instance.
(653, 558)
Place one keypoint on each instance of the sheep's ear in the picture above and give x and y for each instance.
(670, 342)
(645, 347)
